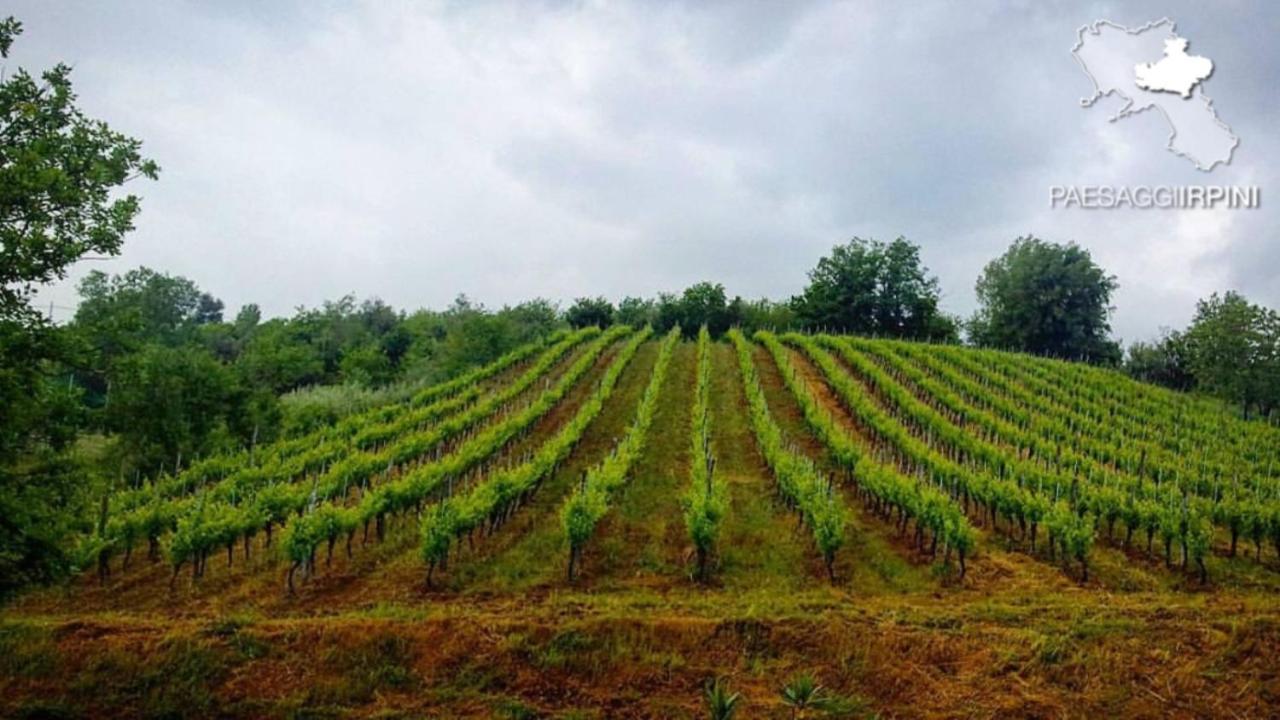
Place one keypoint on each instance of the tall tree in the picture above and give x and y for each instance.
(1234, 351)
(147, 304)
(1164, 362)
(636, 312)
(60, 200)
(871, 287)
(168, 402)
(703, 303)
(532, 319)
(762, 314)
(1047, 299)
(277, 358)
(586, 311)
(119, 315)
(59, 172)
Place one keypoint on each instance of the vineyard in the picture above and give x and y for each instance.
(597, 524)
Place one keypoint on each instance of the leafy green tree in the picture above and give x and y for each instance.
(1047, 299)
(61, 174)
(701, 304)
(168, 402)
(394, 346)
(1164, 362)
(38, 513)
(469, 335)
(705, 304)
(587, 311)
(120, 314)
(247, 319)
(478, 339)
(874, 288)
(41, 410)
(636, 312)
(254, 414)
(220, 339)
(472, 336)
(366, 365)
(1234, 352)
(426, 330)
(377, 317)
(442, 344)
(667, 312)
(329, 330)
(763, 314)
(368, 342)
(277, 357)
(226, 340)
(208, 310)
(146, 304)
(532, 319)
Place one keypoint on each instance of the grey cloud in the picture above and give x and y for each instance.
(560, 149)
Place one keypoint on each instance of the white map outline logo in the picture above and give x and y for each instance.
(1185, 108)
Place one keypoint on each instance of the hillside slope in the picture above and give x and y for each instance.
(1123, 557)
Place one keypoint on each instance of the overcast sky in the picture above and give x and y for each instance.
(414, 151)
